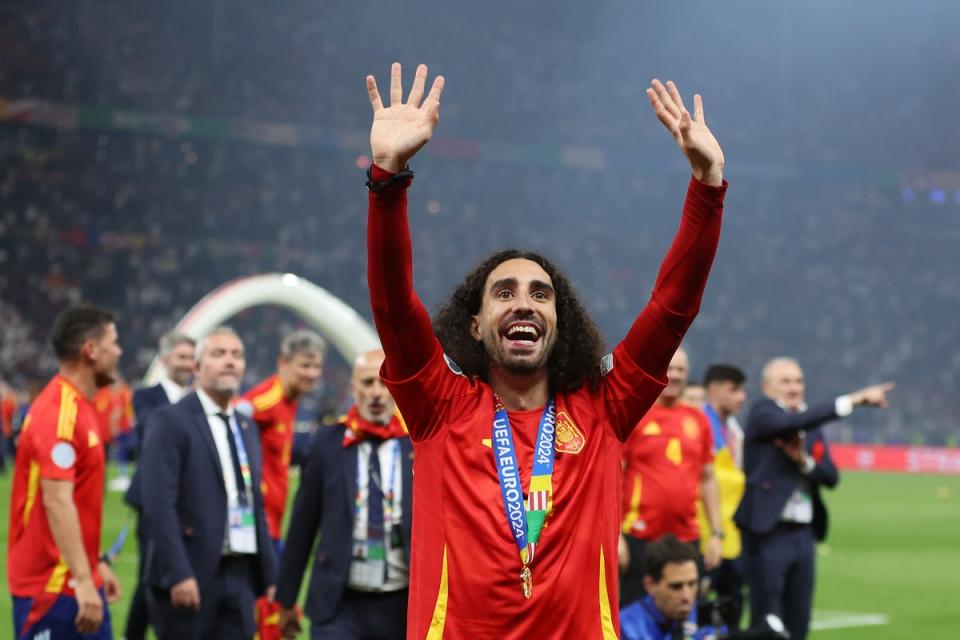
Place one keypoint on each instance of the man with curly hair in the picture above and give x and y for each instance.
(516, 415)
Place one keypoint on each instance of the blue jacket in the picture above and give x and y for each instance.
(185, 502)
(643, 621)
(772, 476)
(145, 401)
(325, 505)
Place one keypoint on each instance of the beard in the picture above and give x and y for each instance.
(104, 378)
(499, 356)
(226, 385)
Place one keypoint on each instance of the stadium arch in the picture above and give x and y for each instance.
(339, 324)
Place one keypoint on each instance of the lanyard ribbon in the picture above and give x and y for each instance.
(388, 490)
(246, 492)
(526, 521)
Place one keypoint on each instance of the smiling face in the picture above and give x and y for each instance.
(517, 321)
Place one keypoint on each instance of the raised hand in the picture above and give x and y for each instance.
(401, 129)
(691, 133)
(874, 396)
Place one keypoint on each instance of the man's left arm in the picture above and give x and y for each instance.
(659, 328)
(819, 463)
(710, 496)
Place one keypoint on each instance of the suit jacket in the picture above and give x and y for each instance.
(772, 476)
(185, 502)
(325, 501)
(145, 400)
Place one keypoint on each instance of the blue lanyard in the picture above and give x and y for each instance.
(388, 488)
(508, 469)
(244, 461)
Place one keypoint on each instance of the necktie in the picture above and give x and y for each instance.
(375, 530)
(235, 457)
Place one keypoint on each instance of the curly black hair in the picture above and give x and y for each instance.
(575, 358)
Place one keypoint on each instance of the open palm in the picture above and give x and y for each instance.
(691, 132)
(400, 130)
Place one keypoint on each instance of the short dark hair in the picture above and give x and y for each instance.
(724, 373)
(575, 359)
(75, 326)
(665, 550)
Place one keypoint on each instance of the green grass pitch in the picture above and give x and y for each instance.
(893, 553)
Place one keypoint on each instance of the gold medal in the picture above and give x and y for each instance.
(526, 582)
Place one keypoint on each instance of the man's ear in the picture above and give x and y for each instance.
(475, 328)
(648, 584)
(89, 349)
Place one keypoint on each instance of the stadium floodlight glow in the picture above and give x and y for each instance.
(343, 327)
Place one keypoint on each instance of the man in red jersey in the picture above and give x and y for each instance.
(273, 406)
(55, 572)
(516, 415)
(668, 464)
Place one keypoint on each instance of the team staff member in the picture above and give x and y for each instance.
(55, 574)
(175, 352)
(523, 374)
(668, 464)
(358, 589)
(273, 406)
(209, 554)
(787, 459)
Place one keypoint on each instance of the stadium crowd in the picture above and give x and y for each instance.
(840, 266)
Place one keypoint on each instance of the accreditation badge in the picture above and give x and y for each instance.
(242, 529)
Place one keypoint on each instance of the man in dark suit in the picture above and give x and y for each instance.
(209, 555)
(781, 516)
(356, 488)
(176, 356)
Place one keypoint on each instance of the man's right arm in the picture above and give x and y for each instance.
(767, 420)
(160, 467)
(397, 133)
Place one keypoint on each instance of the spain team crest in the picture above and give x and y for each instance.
(569, 437)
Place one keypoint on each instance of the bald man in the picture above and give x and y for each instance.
(356, 490)
(667, 464)
(786, 459)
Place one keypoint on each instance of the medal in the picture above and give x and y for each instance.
(526, 582)
(525, 521)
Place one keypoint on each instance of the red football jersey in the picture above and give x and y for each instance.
(664, 460)
(59, 441)
(276, 416)
(465, 569)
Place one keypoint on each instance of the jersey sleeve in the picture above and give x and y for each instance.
(424, 398)
(53, 439)
(627, 391)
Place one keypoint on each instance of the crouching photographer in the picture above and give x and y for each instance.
(669, 610)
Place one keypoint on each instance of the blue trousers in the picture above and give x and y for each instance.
(366, 616)
(58, 622)
(780, 569)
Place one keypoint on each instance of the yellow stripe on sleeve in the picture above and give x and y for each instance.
(67, 419)
(269, 398)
